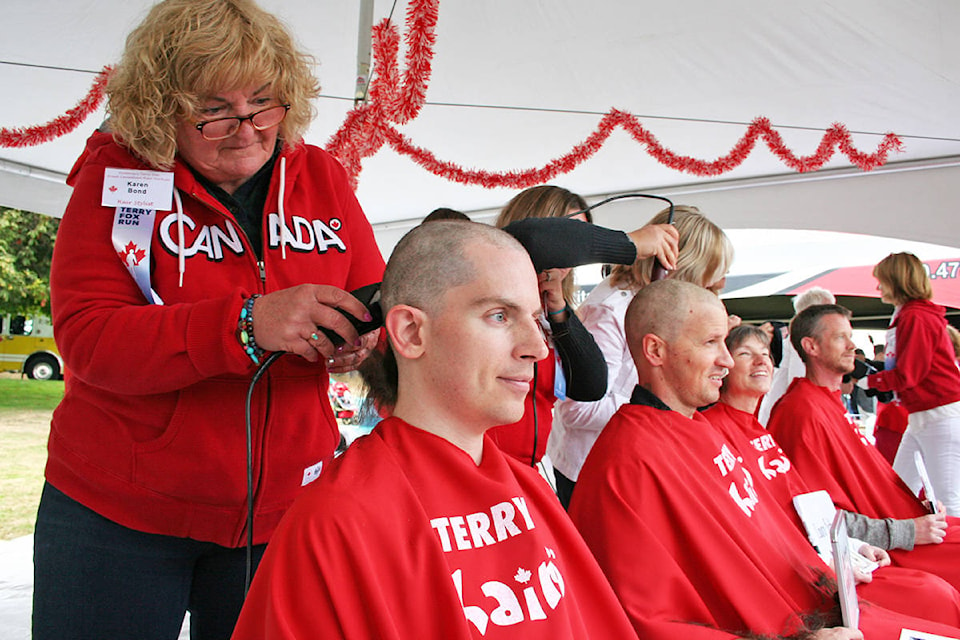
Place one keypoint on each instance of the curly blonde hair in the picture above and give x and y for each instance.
(187, 50)
(704, 258)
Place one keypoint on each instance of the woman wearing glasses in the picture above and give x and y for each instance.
(202, 234)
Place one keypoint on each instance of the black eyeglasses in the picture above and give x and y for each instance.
(225, 127)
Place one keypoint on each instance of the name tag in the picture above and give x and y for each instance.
(138, 188)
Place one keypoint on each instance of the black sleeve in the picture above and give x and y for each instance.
(558, 243)
(581, 359)
(776, 343)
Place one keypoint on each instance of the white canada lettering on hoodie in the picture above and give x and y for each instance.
(299, 234)
(530, 591)
(209, 240)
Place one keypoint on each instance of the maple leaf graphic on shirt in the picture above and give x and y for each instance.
(523, 576)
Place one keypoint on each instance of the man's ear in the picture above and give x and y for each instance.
(405, 325)
(809, 345)
(654, 349)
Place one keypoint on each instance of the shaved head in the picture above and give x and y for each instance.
(675, 333)
(431, 259)
(662, 308)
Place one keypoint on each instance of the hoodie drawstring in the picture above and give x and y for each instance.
(283, 217)
(181, 260)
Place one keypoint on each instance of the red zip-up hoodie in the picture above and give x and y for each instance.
(925, 374)
(150, 433)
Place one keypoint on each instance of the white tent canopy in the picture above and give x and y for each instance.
(518, 83)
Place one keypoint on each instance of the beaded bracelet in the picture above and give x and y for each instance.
(245, 330)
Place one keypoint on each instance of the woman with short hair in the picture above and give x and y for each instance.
(919, 366)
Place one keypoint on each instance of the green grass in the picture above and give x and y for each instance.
(23, 393)
(25, 409)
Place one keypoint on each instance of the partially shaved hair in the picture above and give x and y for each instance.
(432, 259)
(428, 261)
(662, 308)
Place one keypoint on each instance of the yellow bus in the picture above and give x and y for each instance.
(27, 346)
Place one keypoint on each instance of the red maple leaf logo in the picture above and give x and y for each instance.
(112, 187)
(131, 255)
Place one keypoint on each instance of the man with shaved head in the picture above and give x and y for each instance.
(424, 529)
(692, 545)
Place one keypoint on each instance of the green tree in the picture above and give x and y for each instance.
(26, 249)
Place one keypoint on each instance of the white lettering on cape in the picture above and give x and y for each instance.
(773, 466)
(726, 462)
(301, 234)
(512, 607)
(474, 529)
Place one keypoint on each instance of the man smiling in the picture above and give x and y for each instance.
(424, 529)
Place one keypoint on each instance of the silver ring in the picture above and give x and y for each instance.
(549, 276)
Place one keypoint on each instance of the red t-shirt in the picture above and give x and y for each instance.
(404, 536)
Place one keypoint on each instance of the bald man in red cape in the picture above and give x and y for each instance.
(810, 424)
(693, 546)
(424, 528)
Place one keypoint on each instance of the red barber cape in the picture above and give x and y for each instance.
(404, 536)
(897, 587)
(693, 547)
(810, 424)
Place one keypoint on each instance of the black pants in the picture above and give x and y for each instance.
(96, 579)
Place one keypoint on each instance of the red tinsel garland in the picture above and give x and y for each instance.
(395, 101)
(61, 125)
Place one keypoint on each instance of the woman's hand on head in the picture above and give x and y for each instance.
(657, 240)
(290, 320)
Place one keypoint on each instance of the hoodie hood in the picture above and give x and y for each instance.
(925, 307)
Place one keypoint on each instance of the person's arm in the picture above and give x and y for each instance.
(559, 243)
(886, 533)
(581, 359)
(601, 322)
(916, 341)
(108, 334)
